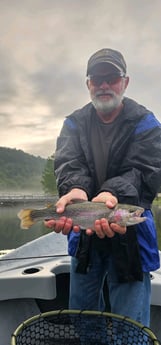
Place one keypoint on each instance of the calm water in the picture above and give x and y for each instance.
(11, 236)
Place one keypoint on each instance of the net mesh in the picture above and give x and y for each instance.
(82, 327)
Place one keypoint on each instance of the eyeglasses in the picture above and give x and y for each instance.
(110, 79)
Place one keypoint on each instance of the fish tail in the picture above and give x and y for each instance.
(26, 219)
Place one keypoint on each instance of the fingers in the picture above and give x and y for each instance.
(89, 232)
(103, 228)
(117, 228)
(66, 199)
(61, 203)
(63, 225)
(109, 199)
(76, 228)
(49, 223)
(111, 202)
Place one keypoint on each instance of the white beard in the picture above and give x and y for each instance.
(106, 107)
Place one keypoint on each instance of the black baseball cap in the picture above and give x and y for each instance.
(106, 55)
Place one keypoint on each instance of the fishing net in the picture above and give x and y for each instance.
(66, 327)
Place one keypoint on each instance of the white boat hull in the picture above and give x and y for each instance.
(33, 280)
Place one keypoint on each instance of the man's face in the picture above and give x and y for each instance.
(106, 86)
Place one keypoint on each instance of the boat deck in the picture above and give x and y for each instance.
(33, 280)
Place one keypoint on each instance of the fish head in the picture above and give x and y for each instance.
(135, 217)
(127, 215)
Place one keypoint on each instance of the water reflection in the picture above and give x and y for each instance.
(11, 236)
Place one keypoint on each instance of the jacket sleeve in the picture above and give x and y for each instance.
(70, 166)
(139, 176)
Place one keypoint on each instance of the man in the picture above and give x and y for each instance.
(110, 151)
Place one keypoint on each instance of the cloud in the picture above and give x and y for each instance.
(45, 46)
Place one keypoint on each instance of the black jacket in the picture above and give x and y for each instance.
(134, 162)
(133, 175)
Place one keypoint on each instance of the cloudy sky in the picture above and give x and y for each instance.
(44, 48)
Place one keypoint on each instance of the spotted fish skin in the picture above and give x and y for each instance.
(84, 214)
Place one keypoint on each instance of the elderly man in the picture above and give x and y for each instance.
(110, 151)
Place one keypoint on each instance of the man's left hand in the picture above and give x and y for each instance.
(102, 227)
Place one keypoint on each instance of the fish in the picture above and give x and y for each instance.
(84, 214)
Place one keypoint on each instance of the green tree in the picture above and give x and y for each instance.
(20, 171)
(48, 178)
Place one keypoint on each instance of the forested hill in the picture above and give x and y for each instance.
(20, 171)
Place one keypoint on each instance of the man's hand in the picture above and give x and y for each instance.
(102, 227)
(65, 224)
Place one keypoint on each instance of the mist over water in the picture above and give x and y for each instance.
(12, 236)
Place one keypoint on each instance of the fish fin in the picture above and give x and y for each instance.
(26, 220)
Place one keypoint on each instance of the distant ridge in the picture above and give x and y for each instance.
(20, 170)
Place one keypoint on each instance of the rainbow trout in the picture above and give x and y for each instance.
(84, 214)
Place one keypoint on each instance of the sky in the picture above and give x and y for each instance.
(44, 49)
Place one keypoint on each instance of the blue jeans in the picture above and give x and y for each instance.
(128, 299)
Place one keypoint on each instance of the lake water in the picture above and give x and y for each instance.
(12, 236)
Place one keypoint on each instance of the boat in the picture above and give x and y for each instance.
(33, 280)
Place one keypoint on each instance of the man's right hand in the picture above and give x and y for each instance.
(65, 224)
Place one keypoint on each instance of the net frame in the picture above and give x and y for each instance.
(144, 332)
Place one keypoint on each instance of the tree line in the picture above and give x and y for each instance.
(20, 171)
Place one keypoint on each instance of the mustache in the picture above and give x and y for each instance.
(104, 92)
